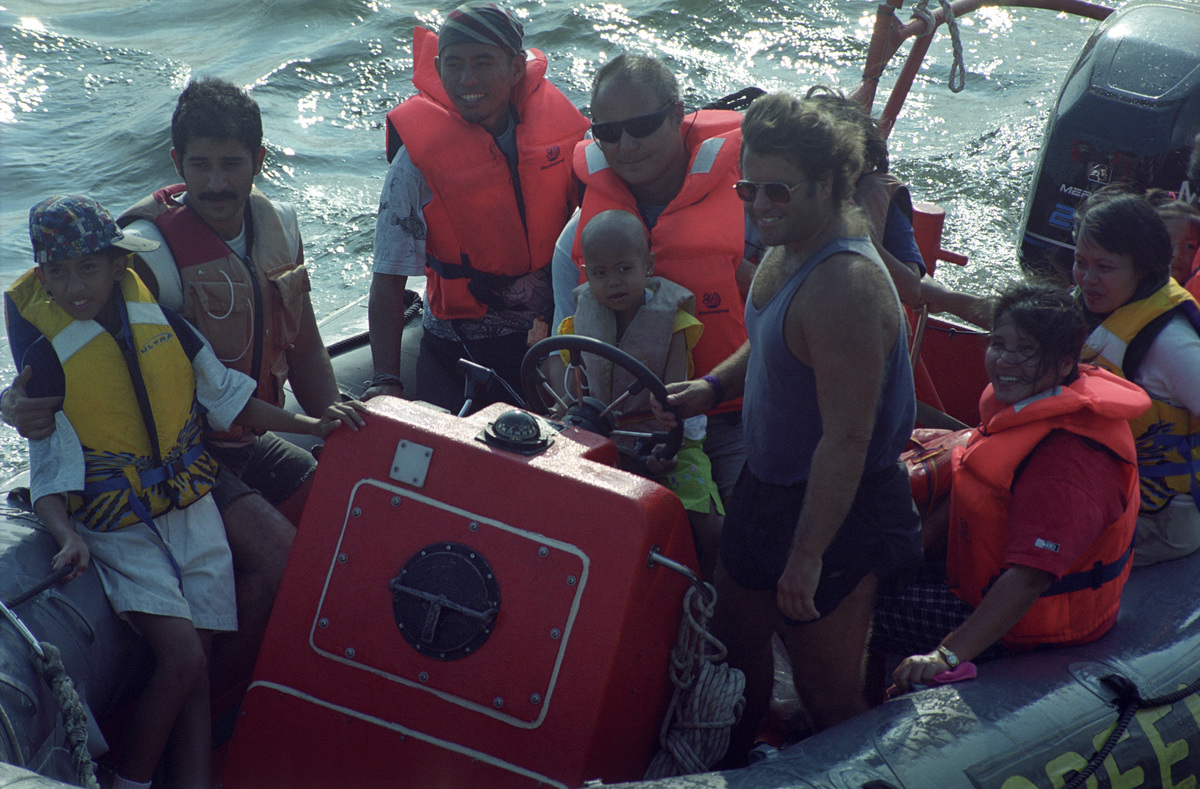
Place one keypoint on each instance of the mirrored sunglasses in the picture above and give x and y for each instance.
(641, 126)
(776, 192)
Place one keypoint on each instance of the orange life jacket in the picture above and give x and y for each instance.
(228, 303)
(699, 239)
(478, 234)
(1075, 608)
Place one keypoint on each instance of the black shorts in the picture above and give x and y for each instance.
(881, 534)
(269, 466)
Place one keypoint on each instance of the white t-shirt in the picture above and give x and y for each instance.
(1171, 369)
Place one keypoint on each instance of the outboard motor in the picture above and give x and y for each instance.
(1128, 112)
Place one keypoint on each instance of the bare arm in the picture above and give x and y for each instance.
(971, 308)
(697, 396)
(310, 371)
(905, 275)
(744, 276)
(52, 510)
(825, 329)
(385, 316)
(264, 416)
(1015, 591)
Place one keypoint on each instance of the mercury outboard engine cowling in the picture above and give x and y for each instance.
(1128, 111)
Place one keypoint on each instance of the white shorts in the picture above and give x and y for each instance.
(137, 573)
(1170, 533)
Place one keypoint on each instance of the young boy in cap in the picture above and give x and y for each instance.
(124, 478)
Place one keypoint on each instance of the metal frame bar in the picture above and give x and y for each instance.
(890, 33)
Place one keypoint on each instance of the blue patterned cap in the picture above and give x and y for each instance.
(75, 226)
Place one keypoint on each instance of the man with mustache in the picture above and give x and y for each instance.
(479, 188)
(232, 263)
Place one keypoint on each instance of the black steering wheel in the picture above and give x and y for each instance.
(579, 409)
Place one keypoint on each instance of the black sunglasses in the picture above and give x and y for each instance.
(641, 126)
(776, 192)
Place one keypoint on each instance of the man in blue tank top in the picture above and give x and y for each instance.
(822, 511)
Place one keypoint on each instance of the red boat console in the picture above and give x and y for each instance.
(469, 602)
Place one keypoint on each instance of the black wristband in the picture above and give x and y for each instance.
(718, 388)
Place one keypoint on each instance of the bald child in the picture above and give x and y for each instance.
(652, 319)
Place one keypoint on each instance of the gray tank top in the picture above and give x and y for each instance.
(780, 415)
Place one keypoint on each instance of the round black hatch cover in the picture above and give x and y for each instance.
(445, 600)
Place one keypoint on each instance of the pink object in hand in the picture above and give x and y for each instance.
(964, 671)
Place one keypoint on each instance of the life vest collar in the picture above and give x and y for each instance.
(702, 160)
(1112, 338)
(1096, 390)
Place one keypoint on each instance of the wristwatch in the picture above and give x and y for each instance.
(951, 659)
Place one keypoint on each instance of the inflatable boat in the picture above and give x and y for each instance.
(488, 600)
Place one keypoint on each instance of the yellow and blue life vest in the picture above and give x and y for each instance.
(129, 476)
(1167, 436)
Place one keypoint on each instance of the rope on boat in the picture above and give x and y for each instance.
(412, 308)
(1129, 700)
(707, 700)
(50, 668)
(10, 732)
(958, 70)
(47, 660)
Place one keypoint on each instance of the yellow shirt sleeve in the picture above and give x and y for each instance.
(566, 327)
(692, 328)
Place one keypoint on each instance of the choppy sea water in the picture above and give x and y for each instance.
(87, 88)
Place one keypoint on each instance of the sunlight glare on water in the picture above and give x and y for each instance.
(20, 91)
(87, 88)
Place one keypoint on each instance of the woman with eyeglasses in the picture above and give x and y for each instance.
(675, 171)
(1042, 509)
(1146, 329)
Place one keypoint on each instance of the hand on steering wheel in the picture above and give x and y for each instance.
(578, 408)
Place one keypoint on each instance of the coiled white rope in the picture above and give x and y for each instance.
(47, 660)
(50, 667)
(958, 70)
(708, 698)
